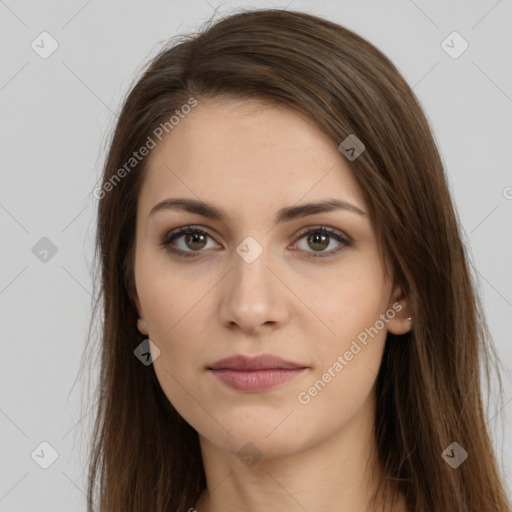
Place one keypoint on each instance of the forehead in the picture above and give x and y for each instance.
(248, 155)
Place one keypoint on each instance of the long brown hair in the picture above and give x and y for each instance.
(144, 456)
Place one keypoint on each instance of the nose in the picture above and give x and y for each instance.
(254, 297)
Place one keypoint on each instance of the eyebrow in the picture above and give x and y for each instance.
(283, 215)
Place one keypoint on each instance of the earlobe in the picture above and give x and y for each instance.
(400, 324)
(141, 322)
(402, 320)
(142, 326)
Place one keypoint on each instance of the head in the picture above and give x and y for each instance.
(256, 116)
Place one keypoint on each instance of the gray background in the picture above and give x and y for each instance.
(55, 116)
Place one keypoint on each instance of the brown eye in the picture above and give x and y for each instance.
(320, 238)
(194, 240)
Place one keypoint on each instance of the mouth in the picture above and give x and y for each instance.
(253, 374)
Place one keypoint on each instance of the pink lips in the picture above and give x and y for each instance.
(255, 373)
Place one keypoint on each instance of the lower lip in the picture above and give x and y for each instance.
(256, 380)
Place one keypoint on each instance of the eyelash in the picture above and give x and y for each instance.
(322, 230)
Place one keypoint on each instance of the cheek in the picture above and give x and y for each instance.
(347, 302)
(167, 296)
(174, 307)
(349, 351)
(172, 322)
(347, 364)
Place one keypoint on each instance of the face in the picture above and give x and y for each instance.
(251, 281)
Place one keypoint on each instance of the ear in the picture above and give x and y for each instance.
(401, 323)
(141, 322)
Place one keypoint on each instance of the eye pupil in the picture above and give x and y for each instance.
(314, 238)
(193, 239)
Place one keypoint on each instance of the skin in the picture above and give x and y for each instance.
(251, 159)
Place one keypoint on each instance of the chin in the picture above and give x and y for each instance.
(258, 445)
(269, 436)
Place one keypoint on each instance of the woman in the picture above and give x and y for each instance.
(289, 321)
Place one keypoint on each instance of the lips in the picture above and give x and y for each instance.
(254, 374)
(262, 362)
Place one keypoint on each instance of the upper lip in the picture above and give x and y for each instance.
(261, 362)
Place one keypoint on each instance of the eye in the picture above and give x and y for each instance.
(320, 237)
(195, 238)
